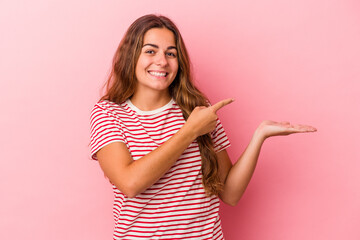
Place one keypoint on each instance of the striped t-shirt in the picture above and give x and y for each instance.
(176, 206)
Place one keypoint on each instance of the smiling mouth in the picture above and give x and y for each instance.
(158, 74)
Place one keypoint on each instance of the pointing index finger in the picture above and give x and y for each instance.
(222, 103)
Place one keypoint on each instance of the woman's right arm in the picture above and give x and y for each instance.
(133, 177)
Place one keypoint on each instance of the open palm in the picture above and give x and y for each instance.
(270, 128)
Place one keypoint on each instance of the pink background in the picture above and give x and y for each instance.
(280, 59)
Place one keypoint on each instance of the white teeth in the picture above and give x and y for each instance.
(158, 74)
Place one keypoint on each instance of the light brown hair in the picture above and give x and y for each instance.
(122, 81)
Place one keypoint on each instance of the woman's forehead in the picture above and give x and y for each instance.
(160, 37)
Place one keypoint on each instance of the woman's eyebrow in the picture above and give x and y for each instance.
(156, 46)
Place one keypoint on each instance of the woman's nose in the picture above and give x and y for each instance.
(161, 59)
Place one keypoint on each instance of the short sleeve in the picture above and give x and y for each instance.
(220, 138)
(105, 129)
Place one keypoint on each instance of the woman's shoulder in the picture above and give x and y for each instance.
(110, 107)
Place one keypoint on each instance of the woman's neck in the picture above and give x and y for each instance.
(150, 101)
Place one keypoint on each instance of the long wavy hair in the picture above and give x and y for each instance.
(122, 81)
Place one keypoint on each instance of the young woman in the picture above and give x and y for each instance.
(160, 143)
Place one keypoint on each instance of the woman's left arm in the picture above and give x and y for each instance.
(237, 177)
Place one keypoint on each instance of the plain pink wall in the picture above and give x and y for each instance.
(280, 59)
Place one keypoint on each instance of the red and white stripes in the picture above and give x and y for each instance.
(176, 206)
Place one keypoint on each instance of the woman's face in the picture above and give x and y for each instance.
(157, 65)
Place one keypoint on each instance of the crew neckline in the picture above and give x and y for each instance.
(141, 112)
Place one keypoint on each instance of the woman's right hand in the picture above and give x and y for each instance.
(202, 120)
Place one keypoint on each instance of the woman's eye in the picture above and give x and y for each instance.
(149, 51)
(170, 54)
